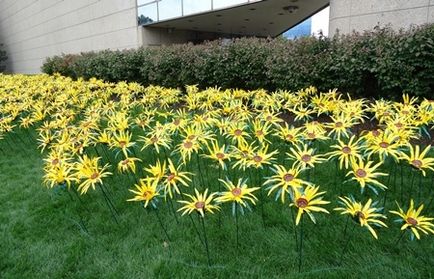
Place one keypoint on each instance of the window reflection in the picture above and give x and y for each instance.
(169, 9)
(218, 4)
(147, 14)
(196, 6)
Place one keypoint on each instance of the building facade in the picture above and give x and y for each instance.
(358, 15)
(32, 30)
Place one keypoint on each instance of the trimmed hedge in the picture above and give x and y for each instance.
(378, 63)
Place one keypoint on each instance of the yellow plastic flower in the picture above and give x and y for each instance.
(217, 153)
(365, 174)
(91, 174)
(304, 156)
(239, 193)
(346, 152)
(128, 164)
(285, 181)
(308, 201)
(174, 178)
(146, 191)
(201, 203)
(365, 215)
(414, 221)
(419, 160)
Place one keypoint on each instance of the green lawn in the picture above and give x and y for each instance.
(42, 236)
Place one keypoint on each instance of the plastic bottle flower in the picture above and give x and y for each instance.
(200, 203)
(384, 146)
(91, 174)
(365, 174)
(128, 164)
(419, 160)
(60, 174)
(308, 201)
(239, 193)
(157, 171)
(261, 130)
(174, 178)
(346, 152)
(146, 191)
(261, 157)
(122, 141)
(414, 221)
(365, 215)
(289, 134)
(285, 181)
(217, 153)
(304, 156)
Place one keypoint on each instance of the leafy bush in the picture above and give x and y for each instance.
(381, 62)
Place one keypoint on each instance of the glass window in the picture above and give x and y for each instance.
(169, 9)
(147, 14)
(219, 4)
(142, 2)
(196, 6)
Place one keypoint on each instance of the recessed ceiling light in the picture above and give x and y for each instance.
(246, 19)
(190, 20)
(271, 23)
(219, 24)
(218, 15)
(280, 13)
(290, 9)
(252, 9)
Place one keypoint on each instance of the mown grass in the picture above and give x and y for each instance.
(42, 235)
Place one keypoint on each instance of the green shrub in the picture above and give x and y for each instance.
(375, 63)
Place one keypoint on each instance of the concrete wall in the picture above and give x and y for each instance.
(32, 30)
(359, 15)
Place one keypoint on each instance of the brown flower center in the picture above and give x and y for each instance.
(384, 144)
(191, 137)
(199, 205)
(417, 163)
(301, 202)
(306, 158)
(125, 162)
(94, 175)
(288, 177)
(188, 144)
(375, 133)
(238, 132)
(311, 135)
(122, 143)
(170, 177)
(289, 137)
(346, 150)
(257, 158)
(55, 161)
(411, 221)
(339, 124)
(220, 156)
(360, 215)
(236, 192)
(269, 118)
(154, 139)
(176, 122)
(259, 133)
(361, 173)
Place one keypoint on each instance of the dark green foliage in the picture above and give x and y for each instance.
(378, 63)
